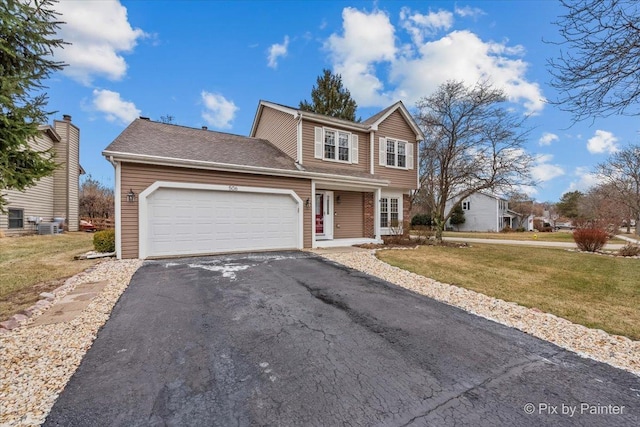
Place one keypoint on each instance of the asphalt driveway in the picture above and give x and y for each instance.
(291, 339)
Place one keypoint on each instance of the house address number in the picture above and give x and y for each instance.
(233, 188)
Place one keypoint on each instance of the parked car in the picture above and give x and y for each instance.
(87, 226)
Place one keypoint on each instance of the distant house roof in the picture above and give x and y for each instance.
(152, 142)
(367, 125)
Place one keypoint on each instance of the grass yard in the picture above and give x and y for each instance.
(596, 291)
(34, 264)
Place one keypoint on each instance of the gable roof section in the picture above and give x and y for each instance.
(147, 138)
(368, 125)
(375, 120)
(51, 132)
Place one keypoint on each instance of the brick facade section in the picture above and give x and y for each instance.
(406, 213)
(368, 223)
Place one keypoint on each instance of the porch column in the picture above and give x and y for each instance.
(376, 213)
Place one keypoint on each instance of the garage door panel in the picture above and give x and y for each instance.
(188, 222)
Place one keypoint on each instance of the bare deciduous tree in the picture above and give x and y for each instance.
(472, 143)
(603, 205)
(96, 200)
(621, 173)
(596, 73)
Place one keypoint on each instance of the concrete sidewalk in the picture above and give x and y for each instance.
(568, 245)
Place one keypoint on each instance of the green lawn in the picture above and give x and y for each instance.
(31, 265)
(595, 291)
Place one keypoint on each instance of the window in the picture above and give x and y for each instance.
(333, 152)
(16, 218)
(390, 212)
(343, 146)
(466, 206)
(384, 213)
(396, 153)
(335, 145)
(329, 144)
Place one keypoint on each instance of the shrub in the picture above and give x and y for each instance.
(421, 219)
(629, 250)
(590, 239)
(507, 229)
(105, 241)
(520, 229)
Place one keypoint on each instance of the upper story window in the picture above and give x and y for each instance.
(395, 153)
(336, 145)
(16, 218)
(466, 206)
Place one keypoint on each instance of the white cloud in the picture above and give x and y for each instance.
(543, 170)
(276, 51)
(469, 11)
(115, 108)
(99, 32)
(584, 180)
(219, 112)
(366, 40)
(420, 26)
(547, 138)
(416, 69)
(601, 142)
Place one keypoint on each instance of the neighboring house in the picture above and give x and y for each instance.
(488, 212)
(54, 196)
(300, 180)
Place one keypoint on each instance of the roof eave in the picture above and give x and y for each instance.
(198, 164)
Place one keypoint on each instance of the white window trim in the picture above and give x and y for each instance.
(407, 147)
(353, 152)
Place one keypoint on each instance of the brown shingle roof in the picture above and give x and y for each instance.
(145, 137)
(379, 114)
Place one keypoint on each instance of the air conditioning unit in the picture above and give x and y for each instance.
(47, 228)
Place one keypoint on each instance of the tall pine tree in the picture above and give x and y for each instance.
(330, 98)
(27, 40)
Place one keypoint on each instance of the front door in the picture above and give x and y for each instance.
(324, 215)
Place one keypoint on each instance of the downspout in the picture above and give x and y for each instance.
(118, 206)
(299, 138)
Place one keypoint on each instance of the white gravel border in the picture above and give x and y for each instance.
(37, 362)
(596, 344)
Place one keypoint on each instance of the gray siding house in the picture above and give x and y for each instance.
(485, 212)
(53, 196)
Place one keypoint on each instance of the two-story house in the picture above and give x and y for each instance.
(486, 212)
(300, 180)
(54, 196)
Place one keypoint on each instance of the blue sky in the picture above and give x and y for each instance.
(210, 62)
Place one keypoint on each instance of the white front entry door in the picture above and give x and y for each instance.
(324, 215)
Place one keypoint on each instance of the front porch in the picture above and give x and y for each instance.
(345, 215)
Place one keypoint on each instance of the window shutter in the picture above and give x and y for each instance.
(382, 157)
(354, 149)
(409, 156)
(318, 144)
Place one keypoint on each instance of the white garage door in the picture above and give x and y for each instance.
(188, 222)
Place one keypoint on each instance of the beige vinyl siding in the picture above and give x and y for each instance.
(36, 201)
(349, 215)
(139, 176)
(280, 129)
(396, 127)
(308, 139)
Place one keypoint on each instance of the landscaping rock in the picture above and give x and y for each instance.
(47, 295)
(10, 324)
